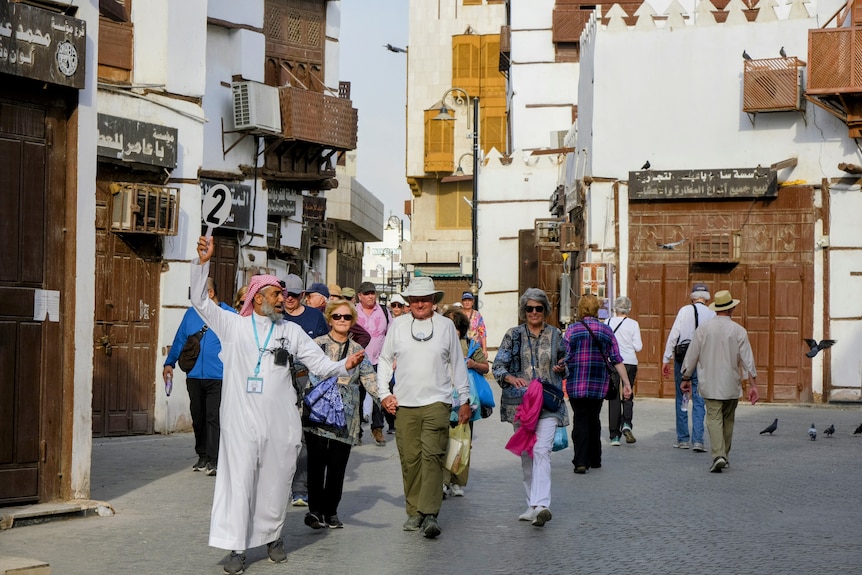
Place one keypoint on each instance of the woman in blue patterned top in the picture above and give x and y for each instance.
(329, 449)
(533, 350)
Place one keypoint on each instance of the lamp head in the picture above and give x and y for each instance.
(444, 113)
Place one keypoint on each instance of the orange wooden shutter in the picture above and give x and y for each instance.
(439, 143)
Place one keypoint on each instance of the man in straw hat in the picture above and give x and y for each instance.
(719, 350)
(430, 364)
(260, 425)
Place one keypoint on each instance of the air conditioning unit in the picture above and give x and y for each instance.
(256, 107)
(466, 265)
(144, 209)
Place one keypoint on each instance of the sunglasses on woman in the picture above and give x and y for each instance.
(396, 305)
(342, 316)
(532, 308)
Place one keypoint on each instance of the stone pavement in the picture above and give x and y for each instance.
(787, 504)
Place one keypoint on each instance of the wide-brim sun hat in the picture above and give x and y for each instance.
(723, 301)
(422, 286)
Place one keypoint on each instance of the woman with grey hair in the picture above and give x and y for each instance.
(628, 334)
(533, 350)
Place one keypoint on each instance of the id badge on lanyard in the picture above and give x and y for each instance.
(254, 384)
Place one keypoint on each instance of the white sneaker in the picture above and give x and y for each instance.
(445, 490)
(543, 515)
(456, 490)
(528, 515)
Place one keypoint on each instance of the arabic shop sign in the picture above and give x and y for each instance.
(42, 45)
(282, 200)
(240, 210)
(703, 184)
(137, 142)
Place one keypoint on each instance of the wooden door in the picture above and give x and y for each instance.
(32, 199)
(124, 339)
(223, 266)
(773, 277)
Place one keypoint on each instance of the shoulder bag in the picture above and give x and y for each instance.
(191, 350)
(680, 349)
(613, 386)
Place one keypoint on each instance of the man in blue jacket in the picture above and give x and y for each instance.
(203, 383)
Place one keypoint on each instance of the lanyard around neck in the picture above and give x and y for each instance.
(532, 350)
(260, 350)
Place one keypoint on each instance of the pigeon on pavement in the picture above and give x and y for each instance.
(812, 432)
(858, 430)
(814, 347)
(829, 430)
(772, 427)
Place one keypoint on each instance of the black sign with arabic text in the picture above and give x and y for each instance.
(137, 142)
(42, 45)
(703, 184)
(240, 211)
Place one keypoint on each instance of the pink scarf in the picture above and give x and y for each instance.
(527, 415)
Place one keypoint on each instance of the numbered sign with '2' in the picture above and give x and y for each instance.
(216, 206)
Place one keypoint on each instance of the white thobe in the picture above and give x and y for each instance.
(260, 432)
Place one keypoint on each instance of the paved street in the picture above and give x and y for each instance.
(787, 504)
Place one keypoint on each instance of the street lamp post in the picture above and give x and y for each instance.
(393, 222)
(474, 205)
(391, 283)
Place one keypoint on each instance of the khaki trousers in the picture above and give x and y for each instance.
(720, 416)
(422, 436)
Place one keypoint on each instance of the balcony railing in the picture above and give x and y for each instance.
(314, 117)
(834, 61)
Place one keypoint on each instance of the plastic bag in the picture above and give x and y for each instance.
(458, 452)
(561, 439)
(483, 389)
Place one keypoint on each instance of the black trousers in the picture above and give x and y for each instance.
(620, 410)
(327, 464)
(377, 414)
(204, 402)
(586, 431)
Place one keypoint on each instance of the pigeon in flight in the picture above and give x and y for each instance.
(858, 430)
(671, 245)
(745, 55)
(772, 427)
(392, 48)
(815, 347)
(646, 165)
(812, 432)
(782, 52)
(829, 430)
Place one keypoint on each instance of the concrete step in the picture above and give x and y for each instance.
(23, 566)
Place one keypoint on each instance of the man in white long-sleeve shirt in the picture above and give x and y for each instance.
(719, 351)
(425, 349)
(688, 319)
(260, 425)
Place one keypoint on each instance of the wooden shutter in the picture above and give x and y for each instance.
(492, 124)
(453, 213)
(465, 62)
(439, 143)
(492, 81)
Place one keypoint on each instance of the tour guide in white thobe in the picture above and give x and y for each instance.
(260, 424)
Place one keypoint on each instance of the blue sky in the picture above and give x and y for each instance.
(378, 90)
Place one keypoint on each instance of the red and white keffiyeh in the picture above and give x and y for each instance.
(256, 284)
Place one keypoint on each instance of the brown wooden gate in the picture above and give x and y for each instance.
(32, 200)
(128, 271)
(540, 267)
(773, 276)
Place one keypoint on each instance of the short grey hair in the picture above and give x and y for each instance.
(534, 294)
(704, 295)
(622, 304)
